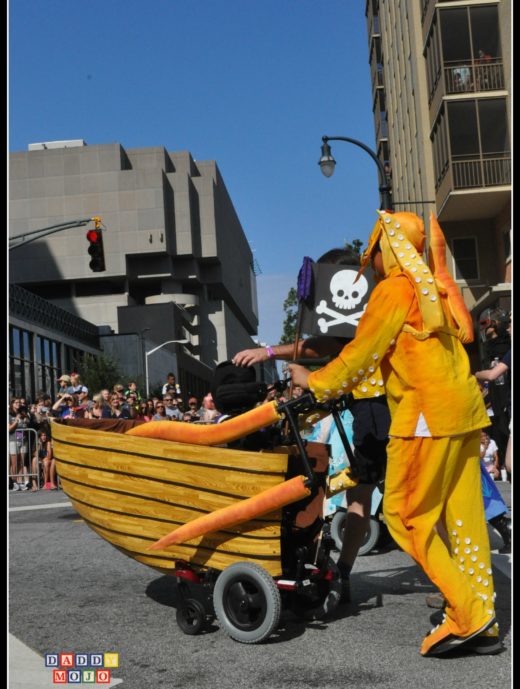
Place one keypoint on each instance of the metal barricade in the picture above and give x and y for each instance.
(26, 445)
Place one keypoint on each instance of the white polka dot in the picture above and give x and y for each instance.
(471, 571)
(457, 540)
(397, 225)
(364, 379)
(417, 279)
(467, 540)
(380, 383)
(430, 280)
(461, 567)
(425, 270)
(377, 394)
(481, 565)
(396, 244)
(474, 558)
(400, 254)
(414, 270)
(467, 551)
(408, 246)
(425, 291)
(458, 522)
(375, 356)
(355, 379)
(391, 233)
(387, 220)
(400, 237)
(489, 571)
(461, 559)
(364, 389)
(456, 551)
(407, 263)
(371, 369)
(419, 263)
(344, 384)
(489, 612)
(433, 298)
(475, 548)
(372, 381)
(453, 533)
(392, 342)
(361, 371)
(485, 582)
(413, 255)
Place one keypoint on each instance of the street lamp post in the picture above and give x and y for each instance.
(147, 354)
(327, 165)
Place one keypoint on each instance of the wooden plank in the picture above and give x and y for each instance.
(162, 512)
(211, 558)
(184, 496)
(149, 531)
(237, 483)
(206, 456)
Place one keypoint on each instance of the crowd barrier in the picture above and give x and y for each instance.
(26, 445)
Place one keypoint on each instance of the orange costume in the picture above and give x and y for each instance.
(413, 327)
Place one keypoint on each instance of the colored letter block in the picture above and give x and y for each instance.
(74, 676)
(103, 676)
(89, 676)
(59, 676)
(66, 659)
(96, 660)
(51, 660)
(111, 659)
(81, 660)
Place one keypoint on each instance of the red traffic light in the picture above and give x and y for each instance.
(96, 251)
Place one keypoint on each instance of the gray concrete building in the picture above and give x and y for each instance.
(441, 84)
(178, 264)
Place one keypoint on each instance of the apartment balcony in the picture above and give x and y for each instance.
(381, 124)
(474, 186)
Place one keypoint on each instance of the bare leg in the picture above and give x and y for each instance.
(359, 501)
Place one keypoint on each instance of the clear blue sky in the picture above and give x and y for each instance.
(252, 84)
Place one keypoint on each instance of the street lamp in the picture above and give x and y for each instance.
(147, 354)
(327, 165)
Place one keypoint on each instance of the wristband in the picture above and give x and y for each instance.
(270, 352)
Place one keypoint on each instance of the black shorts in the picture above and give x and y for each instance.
(370, 428)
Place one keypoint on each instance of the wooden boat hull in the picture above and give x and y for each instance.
(132, 491)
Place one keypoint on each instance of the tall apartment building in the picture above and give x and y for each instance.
(178, 264)
(441, 82)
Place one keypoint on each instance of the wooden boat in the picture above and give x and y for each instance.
(134, 490)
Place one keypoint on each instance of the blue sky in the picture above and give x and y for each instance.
(252, 84)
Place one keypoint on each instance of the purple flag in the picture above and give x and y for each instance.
(305, 279)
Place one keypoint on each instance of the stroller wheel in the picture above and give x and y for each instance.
(337, 531)
(321, 596)
(191, 616)
(247, 602)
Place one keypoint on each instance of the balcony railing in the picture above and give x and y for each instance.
(487, 171)
(472, 76)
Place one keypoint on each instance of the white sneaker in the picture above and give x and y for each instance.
(16, 486)
(24, 486)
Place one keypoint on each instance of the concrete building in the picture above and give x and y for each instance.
(178, 264)
(441, 84)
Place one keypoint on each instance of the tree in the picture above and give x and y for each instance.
(356, 245)
(98, 372)
(290, 307)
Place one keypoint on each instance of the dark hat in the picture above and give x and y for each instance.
(235, 390)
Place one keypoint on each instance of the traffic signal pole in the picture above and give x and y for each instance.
(95, 239)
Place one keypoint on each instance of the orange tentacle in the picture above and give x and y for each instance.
(446, 284)
(238, 513)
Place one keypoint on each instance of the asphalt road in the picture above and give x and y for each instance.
(70, 591)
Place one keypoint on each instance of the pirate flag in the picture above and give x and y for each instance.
(335, 304)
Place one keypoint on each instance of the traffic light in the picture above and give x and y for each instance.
(95, 249)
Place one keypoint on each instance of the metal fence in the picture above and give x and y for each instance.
(21, 463)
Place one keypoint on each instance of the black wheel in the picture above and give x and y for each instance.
(321, 594)
(191, 616)
(337, 531)
(247, 602)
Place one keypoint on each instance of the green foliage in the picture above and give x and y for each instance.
(98, 372)
(290, 307)
(356, 245)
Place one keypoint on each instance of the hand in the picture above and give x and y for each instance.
(250, 357)
(299, 375)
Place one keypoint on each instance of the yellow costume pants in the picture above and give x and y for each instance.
(428, 479)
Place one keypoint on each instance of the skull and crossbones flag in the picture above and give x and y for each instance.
(336, 304)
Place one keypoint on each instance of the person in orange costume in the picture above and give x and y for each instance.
(414, 326)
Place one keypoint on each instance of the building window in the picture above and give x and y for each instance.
(465, 258)
(479, 142)
(21, 364)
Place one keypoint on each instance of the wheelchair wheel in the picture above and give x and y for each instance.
(191, 616)
(320, 596)
(247, 602)
(337, 530)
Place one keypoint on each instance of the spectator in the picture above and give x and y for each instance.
(64, 382)
(489, 455)
(144, 412)
(160, 413)
(115, 407)
(172, 407)
(84, 404)
(133, 403)
(22, 448)
(14, 420)
(208, 412)
(132, 389)
(76, 386)
(43, 455)
(171, 386)
(150, 407)
(95, 411)
(193, 406)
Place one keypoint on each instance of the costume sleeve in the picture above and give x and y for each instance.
(376, 333)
